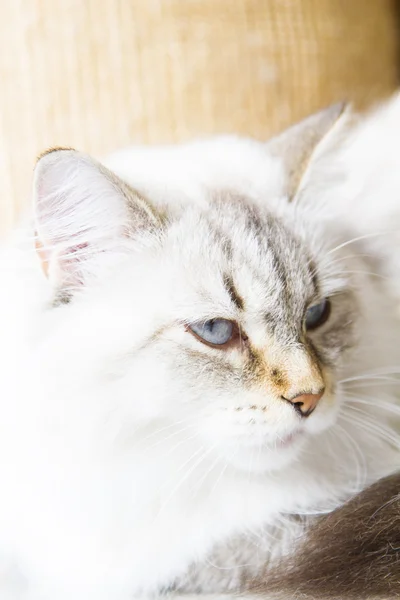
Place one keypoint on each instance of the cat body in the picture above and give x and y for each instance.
(130, 448)
(353, 552)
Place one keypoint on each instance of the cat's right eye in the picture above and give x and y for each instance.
(317, 314)
(217, 333)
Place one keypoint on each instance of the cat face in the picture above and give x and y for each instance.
(223, 317)
(255, 324)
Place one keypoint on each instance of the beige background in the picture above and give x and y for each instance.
(98, 74)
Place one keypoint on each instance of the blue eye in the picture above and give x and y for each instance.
(216, 332)
(317, 314)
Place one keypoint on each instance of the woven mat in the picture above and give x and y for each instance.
(99, 74)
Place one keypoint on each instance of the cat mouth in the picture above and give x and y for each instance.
(280, 442)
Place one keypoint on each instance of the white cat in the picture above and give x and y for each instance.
(198, 350)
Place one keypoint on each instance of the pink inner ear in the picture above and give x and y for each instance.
(42, 254)
(69, 262)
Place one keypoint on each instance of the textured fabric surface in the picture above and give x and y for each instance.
(99, 74)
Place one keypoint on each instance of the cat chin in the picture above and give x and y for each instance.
(261, 458)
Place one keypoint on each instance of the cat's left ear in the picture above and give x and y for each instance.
(300, 146)
(84, 214)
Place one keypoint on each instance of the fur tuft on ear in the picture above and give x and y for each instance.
(299, 145)
(83, 212)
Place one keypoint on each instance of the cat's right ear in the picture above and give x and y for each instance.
(83, 215)
(300, 146)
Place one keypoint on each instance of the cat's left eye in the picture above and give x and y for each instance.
(214, 332)
(317, 314)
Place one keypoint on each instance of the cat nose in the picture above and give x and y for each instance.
(306, 402)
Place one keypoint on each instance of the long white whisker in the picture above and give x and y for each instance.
(223, 470)
(182, 480)
(161, 429)
(200, 482)
(187, 461)
(171, 435)
(369, 425)
(353, 240)
(181, 443)
(360, 462)
(374, 403)
(220, 476)
(370, 382)
(373, 374)
(362, 272)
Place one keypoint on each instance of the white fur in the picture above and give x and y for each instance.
(108, 488)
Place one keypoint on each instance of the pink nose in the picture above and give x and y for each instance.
(304, 404)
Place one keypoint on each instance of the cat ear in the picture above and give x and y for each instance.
(83, 213)
(300, 145)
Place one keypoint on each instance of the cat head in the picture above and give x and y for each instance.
(225, 315)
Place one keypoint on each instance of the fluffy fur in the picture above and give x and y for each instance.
(134, 458)
(353, 552)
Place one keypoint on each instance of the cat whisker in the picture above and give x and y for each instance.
(169, 426)
(223, 470)
(181, 443)
(202, 479)
(250, 471)
(260, 445)
(356, 239)
(188, 460)
(331, 265)
(175, 489)
(369, 425)
(371, 382)
(355, 398)
(147, 448)
(184, 478)
(339, 259)
(373, 374)
(359, 458)
(362, 272)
